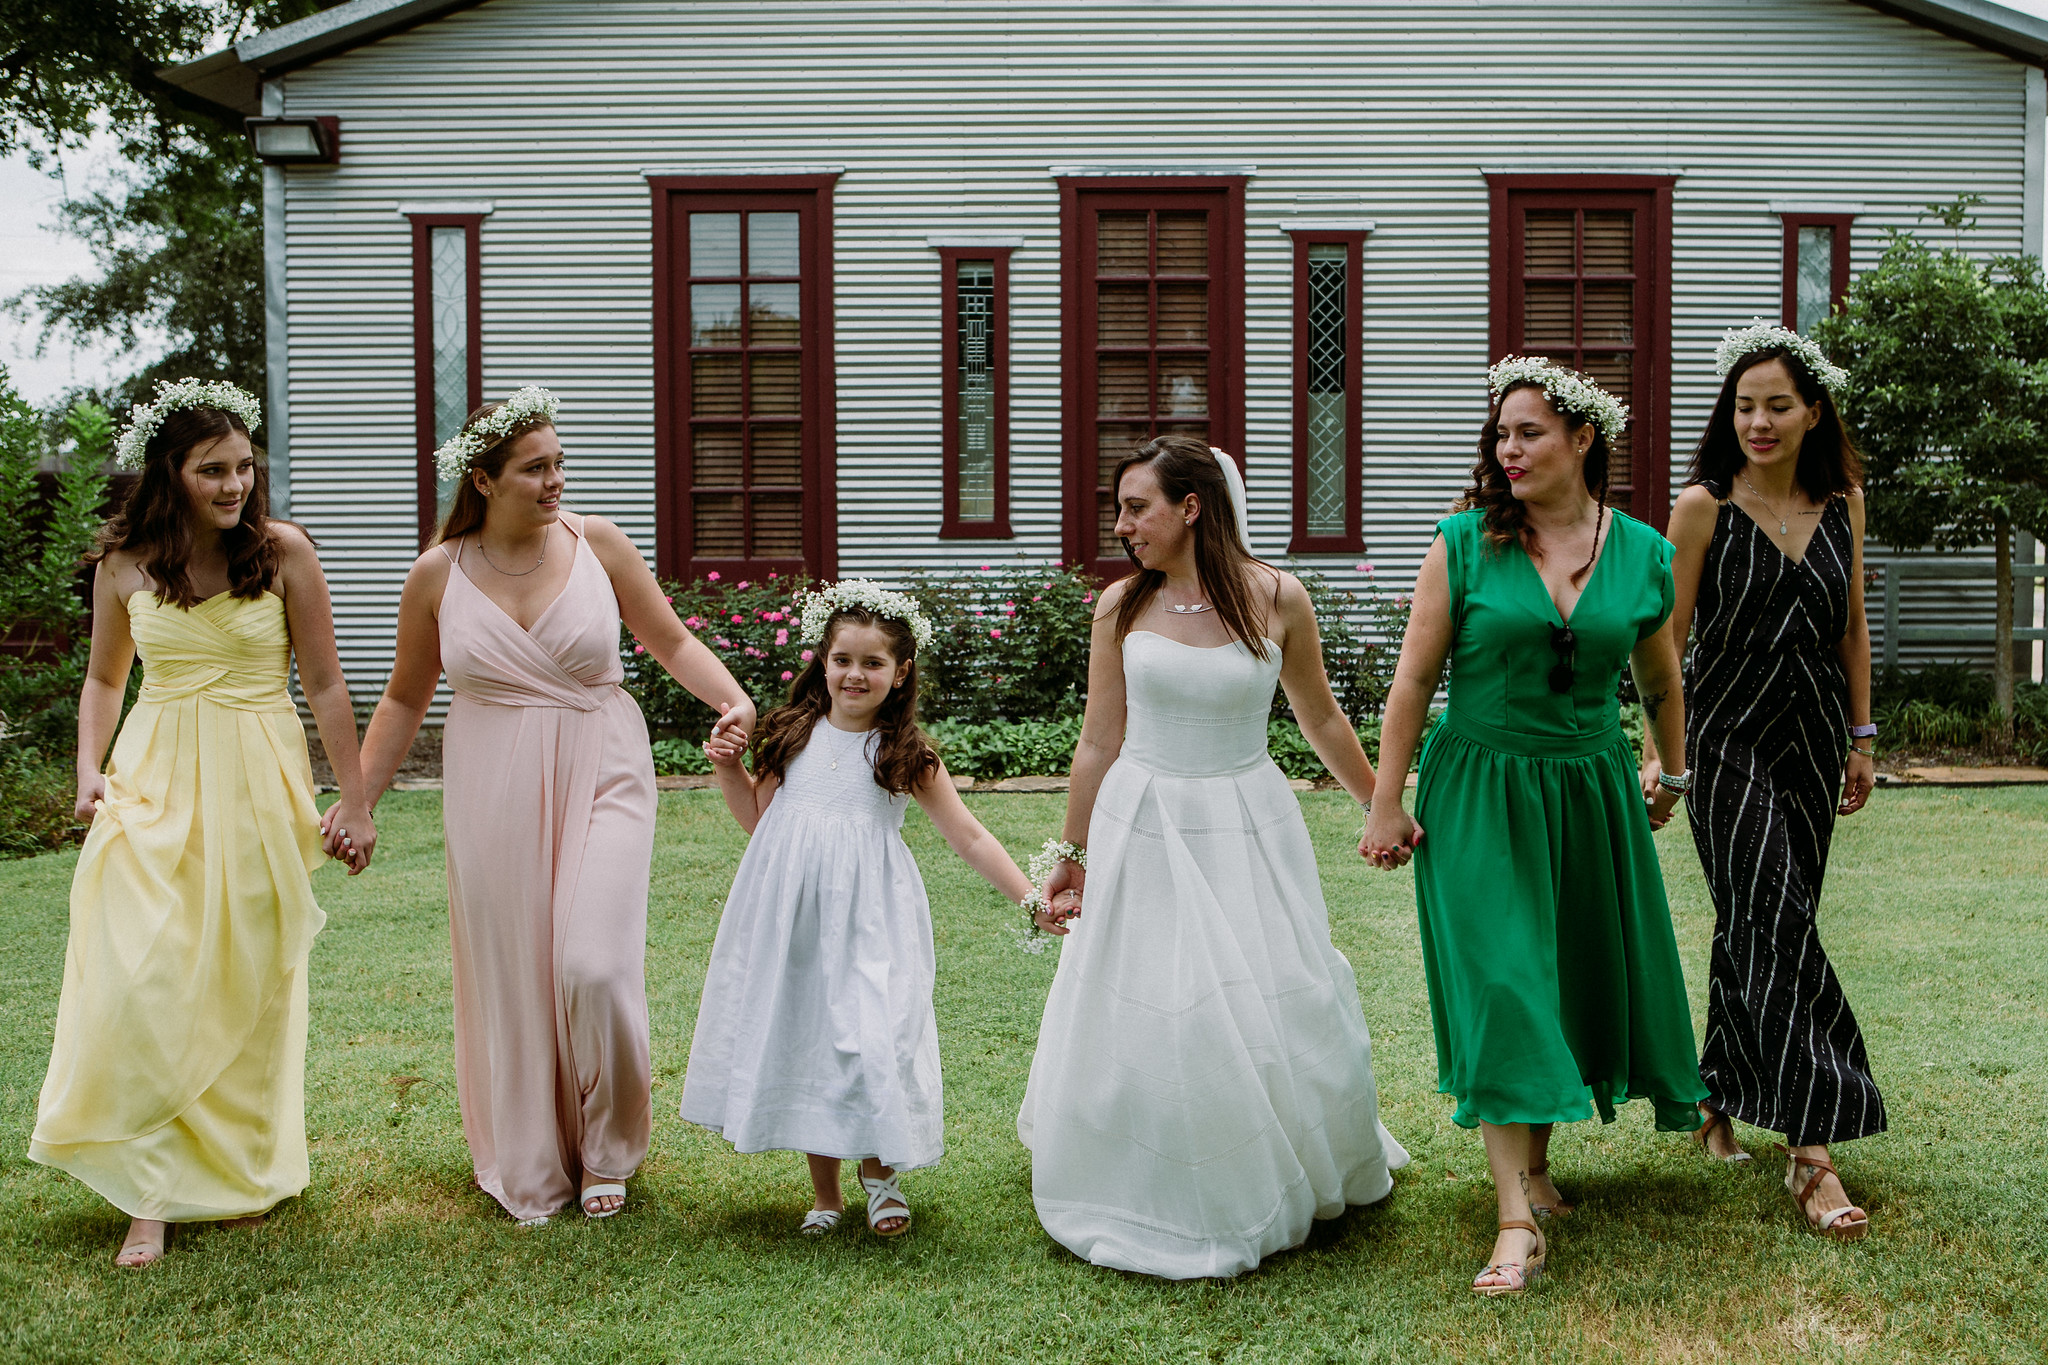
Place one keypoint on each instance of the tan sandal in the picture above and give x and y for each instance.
(1562, 1207)
(1846, 1224)
(1717, 1119)
(143, 1252)
(1517, 1277)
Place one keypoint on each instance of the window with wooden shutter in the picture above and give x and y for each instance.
(1582, 275)
(1154, 324)
(744, 412)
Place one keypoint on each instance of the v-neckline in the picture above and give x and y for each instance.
(1805, 551)
(574, 553)
(1564, 618)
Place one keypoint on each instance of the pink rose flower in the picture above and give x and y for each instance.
(743, 582)
(667, 598)
(639, 649)
(1038, 597)
(739, 618)
(713, 575)
(721, 642)
(781, 637)
(995, 635)
(695, 623)
(786, 674)
(772, 576)
(984, 568)
(805, 656)
(1089, 598)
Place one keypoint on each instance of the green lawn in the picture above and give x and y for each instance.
(1937, 918)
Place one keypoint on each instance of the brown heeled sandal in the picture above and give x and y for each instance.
(1562, 1207)
(1846, 1224)
(1717, 1119)
(1516, 1276)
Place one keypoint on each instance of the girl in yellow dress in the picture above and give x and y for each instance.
(177, 1080)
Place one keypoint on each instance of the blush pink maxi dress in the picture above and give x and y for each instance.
(548, 807)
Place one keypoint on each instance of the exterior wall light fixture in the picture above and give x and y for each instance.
(296, 141)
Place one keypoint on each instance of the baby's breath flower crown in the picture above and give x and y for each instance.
(1738, 342)
(815, 609)
(1568, 390)
(145, 418)
(525, 407)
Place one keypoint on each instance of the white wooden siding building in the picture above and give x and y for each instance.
(1304, 228)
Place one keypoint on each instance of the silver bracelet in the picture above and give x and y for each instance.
(1680, 784)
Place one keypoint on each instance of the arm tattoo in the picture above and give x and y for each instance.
(1654, 703)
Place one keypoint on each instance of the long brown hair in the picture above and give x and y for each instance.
(466, 509)
(155, 522)
(903, 755)
(1829, 463)
(1184, 465)
(1505, 518)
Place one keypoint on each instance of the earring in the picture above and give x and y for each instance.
(1191, 521)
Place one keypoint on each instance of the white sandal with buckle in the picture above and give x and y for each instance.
(885, 1192)
(590, 1192)
(818, 1222)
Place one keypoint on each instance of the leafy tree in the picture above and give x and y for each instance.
(1948, 393)
(179, 241)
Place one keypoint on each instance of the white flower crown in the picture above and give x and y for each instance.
(525, 407)
(145, 418)
(1738, 342)
(816, 608)
(1568, 390)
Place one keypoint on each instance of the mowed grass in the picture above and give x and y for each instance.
(1936, 917)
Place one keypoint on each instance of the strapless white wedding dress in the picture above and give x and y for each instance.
(1203, 1083)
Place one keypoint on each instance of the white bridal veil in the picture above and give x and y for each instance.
(1237, 505)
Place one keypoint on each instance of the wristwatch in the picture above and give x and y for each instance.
(1680, 784)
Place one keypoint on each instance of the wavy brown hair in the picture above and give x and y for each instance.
(1505, 518)
(155, 523)
(1829, 463)
(1184, 465)
(903, 758)
(466, 510)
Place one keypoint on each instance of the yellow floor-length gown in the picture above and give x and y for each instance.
(177, 1080)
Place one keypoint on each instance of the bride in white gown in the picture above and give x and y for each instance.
(1203, 1083)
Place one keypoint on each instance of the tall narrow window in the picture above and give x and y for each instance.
(1816, 266)
(975, 391)
(1155, 335)
(447, 365)
(742, 422)
(1327, 343)
(1582, 275)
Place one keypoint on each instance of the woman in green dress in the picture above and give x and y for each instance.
(1554, 982)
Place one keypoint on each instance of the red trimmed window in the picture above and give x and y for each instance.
(1582, 275)
(975, 386)
(1816, 267)
(743, 402)
(1153, 275)
(447, 335)
(1328, 341)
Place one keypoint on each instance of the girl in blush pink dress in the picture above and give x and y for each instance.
(548, 807)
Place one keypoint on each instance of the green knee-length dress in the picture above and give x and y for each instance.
(1554, 984)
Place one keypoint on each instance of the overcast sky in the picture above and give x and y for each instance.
(32, 253)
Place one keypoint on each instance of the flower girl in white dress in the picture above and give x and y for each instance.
(1203, 1083)
(816, 1032)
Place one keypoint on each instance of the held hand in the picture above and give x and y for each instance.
(723, 750)
(1661, 804)
(735, 723)
(1390, 837)
(1858, 778)
(1066, 877)
(1652, 770)
(349, 834)
(1065, 906)
(90, 791)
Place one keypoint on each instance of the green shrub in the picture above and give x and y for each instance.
(1951, 706)
(747, 624)
(679, 758)
(37, 795)
(1008, 644)
(1362, 634)
(993, 750)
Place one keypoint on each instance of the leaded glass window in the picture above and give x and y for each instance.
(1329, 389)
(974, 285)
(1814, 286)
(448, 311)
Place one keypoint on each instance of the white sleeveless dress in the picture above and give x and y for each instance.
(815, 1032)
(1203, 1084)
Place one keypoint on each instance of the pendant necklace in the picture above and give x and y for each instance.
(1190, 609)
(1783, 529)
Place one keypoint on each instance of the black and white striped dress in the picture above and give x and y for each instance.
(1766, 715)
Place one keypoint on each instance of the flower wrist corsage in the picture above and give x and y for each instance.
(1043, 864)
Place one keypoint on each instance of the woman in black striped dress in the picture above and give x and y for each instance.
(1769, 570)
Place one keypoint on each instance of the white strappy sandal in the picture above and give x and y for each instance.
(818, 1222)
(590, 1192)
(884, 1192)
